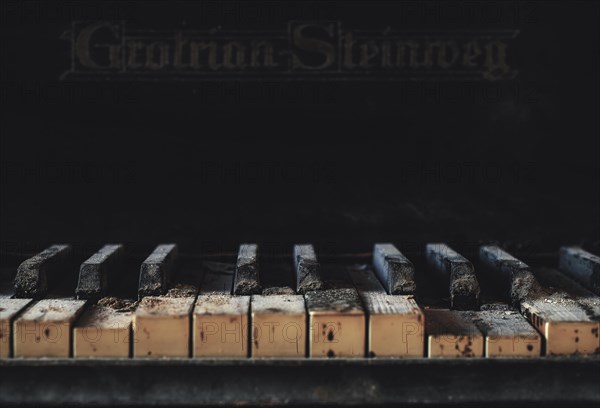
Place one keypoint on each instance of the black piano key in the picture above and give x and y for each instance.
(247, 280)
(155, 272)
(33, 275)
(464, 287)
(511, 273)
(581, 265)
(394, 270)
(552, 306)
(94, 272)
(308, 275)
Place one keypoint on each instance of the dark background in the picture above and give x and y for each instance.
(340, 164)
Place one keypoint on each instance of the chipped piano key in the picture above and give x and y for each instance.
(220, 319)
(394, 270)
(44, 329)
(582, 266)
(509, 272)
(464, 287)
(562, 317)
(94, 272)
(9, 310)
(565, 326)
(155, 271)
(583, 338)
(394, 322)
(452, 334)
(104, 329)
(507, 333)
(336, 323)
(161, 324)
(279, 326)
(307, 268)
(246, 279)
(34, 273)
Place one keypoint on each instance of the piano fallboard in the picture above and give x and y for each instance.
(204, 382)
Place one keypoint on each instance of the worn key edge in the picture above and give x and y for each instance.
(155, 271)
(93, 273)
(31, 280)
(441, 323)
(520, 278)
(582, 266)
(549, 310)
(307, 268)
(498, 325)
(394, 270)
(49, 311)
(10, 310)
(247, 278)
(463, 284)
(111, 317)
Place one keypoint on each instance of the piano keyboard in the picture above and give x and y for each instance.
(388, 311)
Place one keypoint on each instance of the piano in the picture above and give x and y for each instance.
(305, 203)
(304, 328)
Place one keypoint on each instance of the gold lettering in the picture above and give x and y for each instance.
(401, 54)
(267, 50)
(83, 45)
(234, 55)
(348, 44)
(115, 56)
(134, 47)
(414, 56)
(312, 45)
(196, 47)
(163, 55)
(386, 55)
(368, 51)
(471, 51)
(178, 53)
(495, 60)
(443, 59)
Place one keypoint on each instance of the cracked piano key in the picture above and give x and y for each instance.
(220, 326)
(566, 323)
(566, 328)
(507, 333)
(34, 273)
(104, 329)
(44, 329)
(582, 266)
(586, 339)
(464, 287)
(161, 324)
(278, 326)
(394, 270)
(336, 323)
(394, 322)
(452, 334)
(220, 319)
(155, 271)
(307, 268)
(509, 272)
(247, 280)
(94, 272)
(9, 310)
